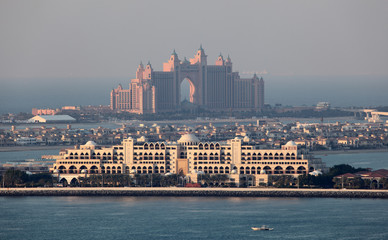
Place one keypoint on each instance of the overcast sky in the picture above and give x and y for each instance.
(98, 39)
(47, 47)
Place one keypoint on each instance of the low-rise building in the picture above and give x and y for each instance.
(51, 119)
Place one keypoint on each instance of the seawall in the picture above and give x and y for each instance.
(196, 192)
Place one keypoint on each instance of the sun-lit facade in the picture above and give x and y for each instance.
(212, 87)
(189, 156)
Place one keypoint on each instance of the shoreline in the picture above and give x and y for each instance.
(196, 192)
(32, 148)
(192, 120)
(59, 147)
(354, 151)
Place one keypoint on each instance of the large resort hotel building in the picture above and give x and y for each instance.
(236, 158)
(212, 87)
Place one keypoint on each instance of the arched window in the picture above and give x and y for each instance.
(278, 170)
(290, 170)
(301, 170)
(268, 170)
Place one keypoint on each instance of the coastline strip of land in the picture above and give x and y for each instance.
(353, 151)
(32, 148)
(197, 192)
(59, 147)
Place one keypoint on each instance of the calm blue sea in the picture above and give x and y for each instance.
(191, 218)
(374, 160)
(20, 156)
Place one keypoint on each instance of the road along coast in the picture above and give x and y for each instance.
(196, 192)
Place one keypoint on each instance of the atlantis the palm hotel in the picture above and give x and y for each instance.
(237, 158)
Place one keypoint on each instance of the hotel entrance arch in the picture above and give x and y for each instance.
(187, 90)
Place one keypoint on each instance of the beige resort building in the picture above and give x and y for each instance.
(237, 158)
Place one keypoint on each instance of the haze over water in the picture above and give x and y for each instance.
(359, 91)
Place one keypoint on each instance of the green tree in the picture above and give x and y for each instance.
(15, 178)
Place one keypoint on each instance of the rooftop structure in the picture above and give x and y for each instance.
(51, 119)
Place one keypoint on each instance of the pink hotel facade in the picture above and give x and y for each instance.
(212, 87)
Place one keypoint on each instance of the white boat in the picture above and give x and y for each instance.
(262, 228)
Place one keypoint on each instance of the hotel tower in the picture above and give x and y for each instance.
(212, 87)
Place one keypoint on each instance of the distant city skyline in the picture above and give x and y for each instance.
(49, 46)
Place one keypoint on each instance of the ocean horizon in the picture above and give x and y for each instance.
(21, 95)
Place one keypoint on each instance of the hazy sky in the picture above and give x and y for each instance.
(49, 41)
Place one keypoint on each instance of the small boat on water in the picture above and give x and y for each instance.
(262, 228)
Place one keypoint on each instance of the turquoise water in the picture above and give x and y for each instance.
(191, 218)
(376, 160)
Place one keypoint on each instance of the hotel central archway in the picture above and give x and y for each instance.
(187, 90)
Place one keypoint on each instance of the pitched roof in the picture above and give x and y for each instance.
(346, 175)
(54, 118)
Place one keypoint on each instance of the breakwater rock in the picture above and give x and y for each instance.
(195, 192)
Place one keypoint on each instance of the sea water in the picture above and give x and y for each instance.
(191, 218)
(374, 160)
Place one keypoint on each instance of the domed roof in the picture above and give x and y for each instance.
(91, 143)
(291, 143)
(315, 173)
(142, 139)
(188, 138)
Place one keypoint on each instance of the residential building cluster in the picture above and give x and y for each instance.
(51, 111)
(266, 133)
(363, 179)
